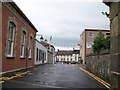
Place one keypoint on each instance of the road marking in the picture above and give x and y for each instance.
(15, 76)
(2, 73)
(1, 82)
(1, 78)
(107, 85)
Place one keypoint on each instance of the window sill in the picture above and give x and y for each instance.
(22, 57)
(30, 58)
(10, 57)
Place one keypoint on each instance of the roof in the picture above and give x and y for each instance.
(45, 44)
(97, 30)
(65, 52)
(76, 51)
(23, 15)
(102, 30)
(107, 2)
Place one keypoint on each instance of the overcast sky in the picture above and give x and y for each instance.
(64, 20)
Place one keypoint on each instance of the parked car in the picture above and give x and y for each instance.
(73, 62)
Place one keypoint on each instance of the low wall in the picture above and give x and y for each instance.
(99, 64)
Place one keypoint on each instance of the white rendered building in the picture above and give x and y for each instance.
(40, 53)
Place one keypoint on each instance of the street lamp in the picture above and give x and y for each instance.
(41, 38)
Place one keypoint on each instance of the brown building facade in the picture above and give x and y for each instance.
(18, 38)
(86, 41)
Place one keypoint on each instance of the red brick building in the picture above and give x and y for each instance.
(18, 38)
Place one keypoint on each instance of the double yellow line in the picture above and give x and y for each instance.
(107, 85)
(1, 82)
(15, 76)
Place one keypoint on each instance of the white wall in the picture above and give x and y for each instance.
(40, 47)
(77, 57)
(61, 58)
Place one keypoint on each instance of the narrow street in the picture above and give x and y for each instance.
(54, 76)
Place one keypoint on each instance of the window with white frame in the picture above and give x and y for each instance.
(89, 44)
(22, 49)
(45, 56)
(90, 34)
(30, 47)
(11, 39)
(75, 57)
(67, 59)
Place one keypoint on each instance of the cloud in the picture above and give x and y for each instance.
(64, 20)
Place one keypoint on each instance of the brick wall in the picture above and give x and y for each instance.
(8, 12)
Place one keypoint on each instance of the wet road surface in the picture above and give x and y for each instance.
(54, 76)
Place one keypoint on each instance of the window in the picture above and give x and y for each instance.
(41, 57)
(30, 48)
(67, 59)
(75, 57)
(89, 44)
(37, 54)
(11, 39)
(91, 34)
(107, 33)
(61, 59)
(57, 59)
(45, 56)
(23, 40)
(64, 59)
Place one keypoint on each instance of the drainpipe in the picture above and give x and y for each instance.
(26, 56)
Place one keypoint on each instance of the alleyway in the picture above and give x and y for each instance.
(54, 76)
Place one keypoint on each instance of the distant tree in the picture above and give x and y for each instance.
(107, 43)
(99, 43)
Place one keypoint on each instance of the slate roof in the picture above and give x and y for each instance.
(76, 51)
(97, 30)
(46, 44)
(65, 52)
(23, 15)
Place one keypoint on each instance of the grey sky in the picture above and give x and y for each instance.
(64, 20)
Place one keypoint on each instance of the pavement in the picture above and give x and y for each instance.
(54, 76)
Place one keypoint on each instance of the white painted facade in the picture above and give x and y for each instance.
(68, 56)
(75, 57)
(61, 58)
(40, 53)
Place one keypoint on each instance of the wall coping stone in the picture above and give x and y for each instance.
(101, 53)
